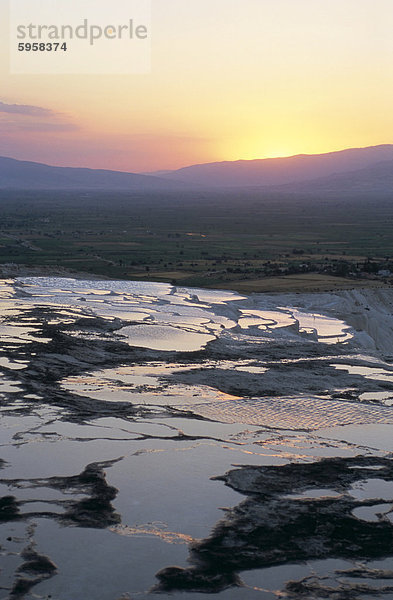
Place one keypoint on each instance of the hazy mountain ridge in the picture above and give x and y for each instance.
(375, 179)
(16, 174)
(356, 170)
(279, 171)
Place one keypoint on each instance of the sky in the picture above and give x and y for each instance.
(229, 80)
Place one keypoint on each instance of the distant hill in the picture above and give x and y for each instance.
(279, 171)
(16, 174)
(357, 170)
(374, 180)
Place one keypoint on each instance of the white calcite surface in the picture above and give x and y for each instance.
(134, 413)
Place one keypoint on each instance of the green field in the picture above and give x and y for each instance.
(197, 239)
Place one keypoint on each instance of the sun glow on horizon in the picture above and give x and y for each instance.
(278, 153)
(294, 151)
(260, 79)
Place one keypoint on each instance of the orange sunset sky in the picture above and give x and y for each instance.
(230, 79)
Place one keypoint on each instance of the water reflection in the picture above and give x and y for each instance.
(159, 337)
(183, 384)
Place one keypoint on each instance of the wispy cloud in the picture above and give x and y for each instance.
(17, 118)
(26, 109)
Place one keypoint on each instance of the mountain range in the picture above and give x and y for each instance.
(24, 175)
(279, 171)
(356, 170)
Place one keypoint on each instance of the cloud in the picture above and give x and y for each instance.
(17, 118)
(26, 109)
